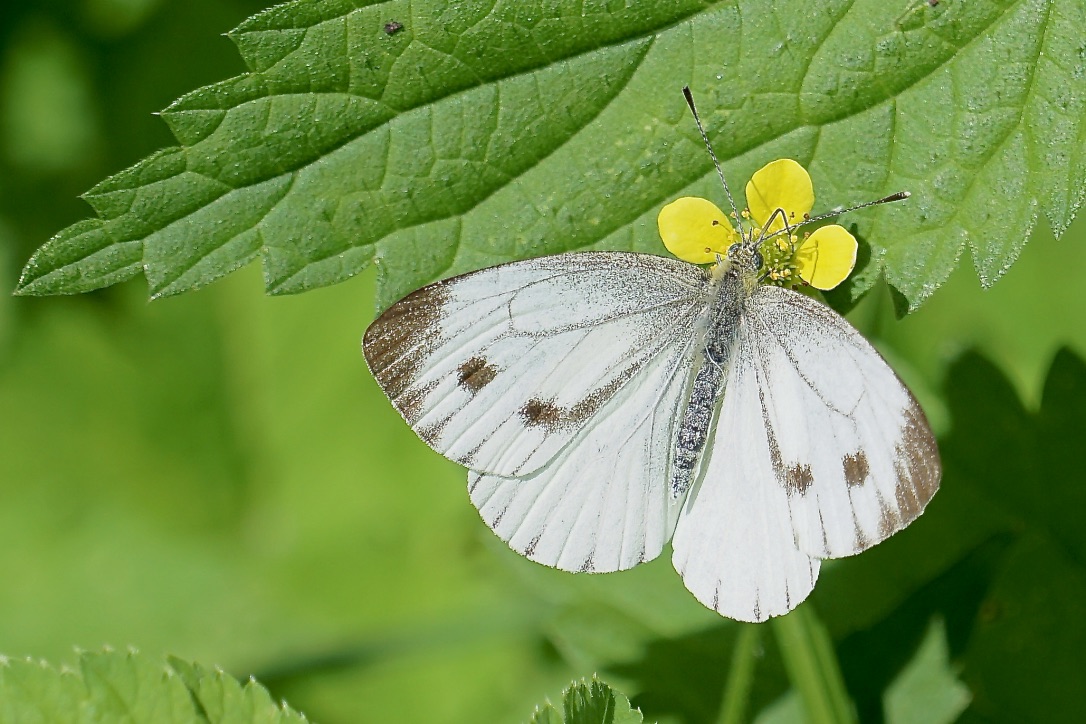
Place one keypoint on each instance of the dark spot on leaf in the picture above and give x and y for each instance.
(392, 27)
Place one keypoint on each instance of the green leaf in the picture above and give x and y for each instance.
(111, 686)
(883, 662)
(1026, 653)
(589, 702)
(928, 690)
(487, 132)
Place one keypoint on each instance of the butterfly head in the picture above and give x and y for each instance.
(745, 255)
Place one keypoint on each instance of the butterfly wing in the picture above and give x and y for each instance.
(733, 545)
(499, 369)
(818, 451)
(849, 445)
(602, 504)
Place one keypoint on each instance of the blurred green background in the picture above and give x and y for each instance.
(217, 476)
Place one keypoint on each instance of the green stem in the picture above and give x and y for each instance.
(812, 667)
(733, 709)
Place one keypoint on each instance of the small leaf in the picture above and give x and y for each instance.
(480, 133)
(589, 702)
(928, 690)
(111, 686)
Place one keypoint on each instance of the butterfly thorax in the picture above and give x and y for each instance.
(731, 287)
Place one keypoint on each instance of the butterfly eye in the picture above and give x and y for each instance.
(756, 260)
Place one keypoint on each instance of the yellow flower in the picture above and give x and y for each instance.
(826, 257)
(695, 230)
(782, 184)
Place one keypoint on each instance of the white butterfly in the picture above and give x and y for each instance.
(607, 402)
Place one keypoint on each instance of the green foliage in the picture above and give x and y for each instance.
(110, 686)
(589, 702)
(482, 133)
(1023, 658)
(215, 475)
(198, 475)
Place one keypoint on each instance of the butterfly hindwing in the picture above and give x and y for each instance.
(602, 503)
(848, 443)
(499, 369)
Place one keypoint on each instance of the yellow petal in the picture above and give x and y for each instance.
(827, 257)
(695, 230)
(781, 184)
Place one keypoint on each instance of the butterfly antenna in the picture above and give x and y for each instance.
(899, 196)
(712, 155)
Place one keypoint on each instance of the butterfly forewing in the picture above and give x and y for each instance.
(848, 443)
(499, 369)
(602, 504)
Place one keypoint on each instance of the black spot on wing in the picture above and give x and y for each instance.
(550, 415)
(541, 413)
(475, 374)
(856, 468)
(797, 479)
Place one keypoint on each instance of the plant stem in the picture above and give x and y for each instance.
(812, 666)
(733, 708)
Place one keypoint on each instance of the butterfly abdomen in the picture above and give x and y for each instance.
(716, 353)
